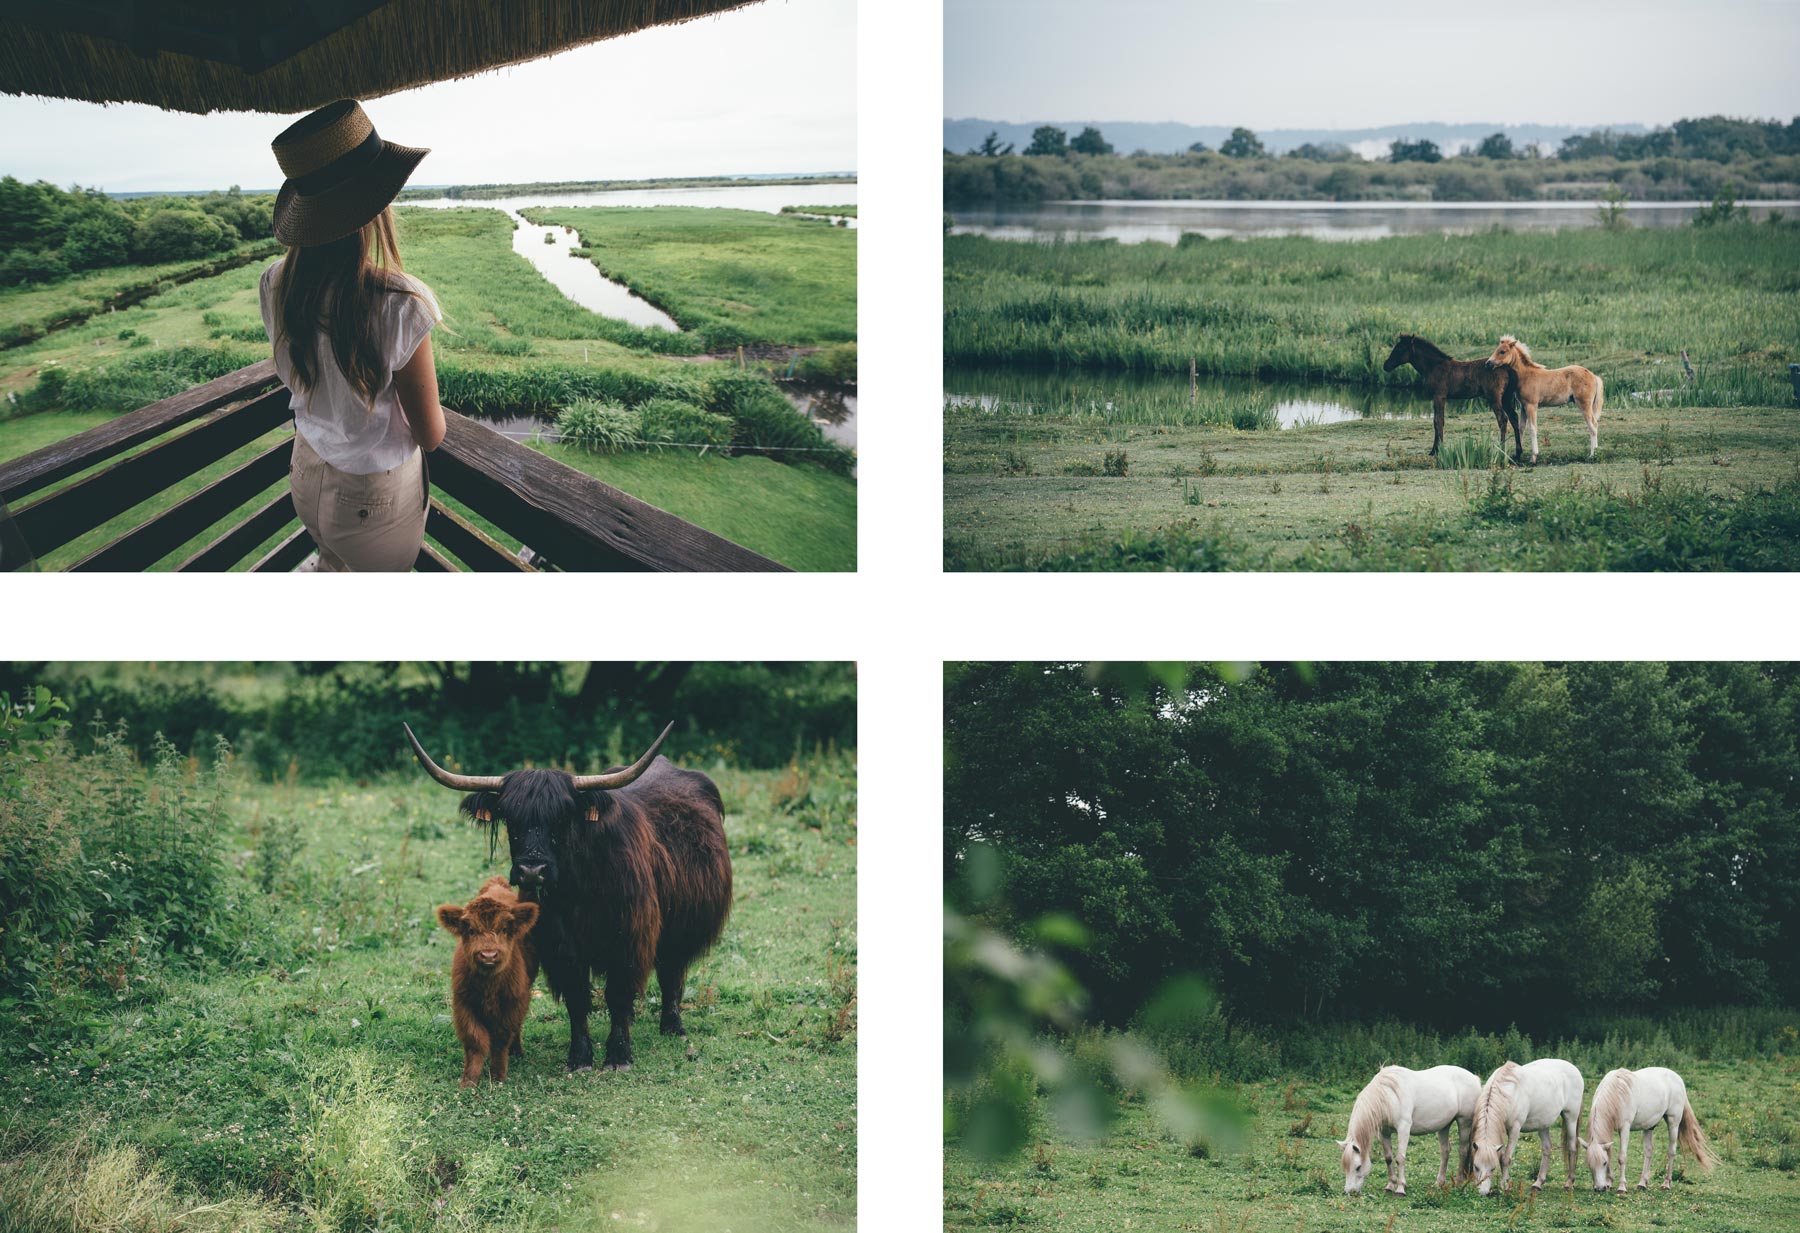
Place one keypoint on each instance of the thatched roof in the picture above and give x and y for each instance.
(290, 56)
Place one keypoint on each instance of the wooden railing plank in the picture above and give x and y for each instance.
(27, 474)
(431, 561)
(476, 549)
(237, 543)
(53, 521)
(143, 546)
(287, 554)
(572, 518)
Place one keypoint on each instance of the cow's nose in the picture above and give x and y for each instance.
(488, 956)
(531, 875)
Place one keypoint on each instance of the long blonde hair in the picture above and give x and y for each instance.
(333, 289)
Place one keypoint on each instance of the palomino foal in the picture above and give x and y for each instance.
(1398, 1101)
(1551, 387)
(1515, 1099)
(1629, 1100)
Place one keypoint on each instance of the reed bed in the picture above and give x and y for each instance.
(1624, 304)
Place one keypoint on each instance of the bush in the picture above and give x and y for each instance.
(176, 234)
(835, 364)
(682, 423)
(765, 420)
(603, 426)
(126, 870)
(142, 380)
(23, 265)
(104, 239)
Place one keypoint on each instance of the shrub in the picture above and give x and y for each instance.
(682, 423)
(603, 426)
(23, 265)
(835, 364)
(179, 235)
(142, 380)
(765, 420)
(104, 239)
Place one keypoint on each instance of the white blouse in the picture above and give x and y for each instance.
(355, 438)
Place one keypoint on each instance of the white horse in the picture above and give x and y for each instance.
(1518, 1098)
(1398, 1101)
(1629, 1100)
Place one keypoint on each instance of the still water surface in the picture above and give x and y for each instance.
(1133, 222)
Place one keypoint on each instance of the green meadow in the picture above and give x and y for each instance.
(1699, 473)
(1285, 1176)
(310, 1082)
(732, 276)
(510, 344)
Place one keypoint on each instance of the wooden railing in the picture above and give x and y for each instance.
(565, 519)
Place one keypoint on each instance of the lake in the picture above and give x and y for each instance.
(1133, 222)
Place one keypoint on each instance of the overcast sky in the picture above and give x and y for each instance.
(769, 88)
(1333, 64)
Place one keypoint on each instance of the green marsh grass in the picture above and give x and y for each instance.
(732, 277)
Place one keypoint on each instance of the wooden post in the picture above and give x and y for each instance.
(1193, 381)
(1687, 369)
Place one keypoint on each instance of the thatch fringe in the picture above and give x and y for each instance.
(401, 44)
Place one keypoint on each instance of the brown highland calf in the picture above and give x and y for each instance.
(491, 975)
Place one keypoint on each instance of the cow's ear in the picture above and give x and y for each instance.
(450, 916)
(524, 916)
(593, 805)
(479, 806)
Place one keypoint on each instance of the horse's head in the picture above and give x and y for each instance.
(1599, 1159)
(1356, 1165)
(1401, 354)
(1487, 1163)
(1509, 350)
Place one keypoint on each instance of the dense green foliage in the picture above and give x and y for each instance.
(1443, 842)
(47, 232)
(344, 719)
(295, 1069)
(732, 277)
(492, 192)
(1318, 174)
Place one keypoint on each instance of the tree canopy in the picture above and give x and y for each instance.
(1242, 144)
(1089, 141)
(1436, 841)
(1048, 139)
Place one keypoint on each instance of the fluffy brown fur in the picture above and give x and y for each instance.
(491, 974)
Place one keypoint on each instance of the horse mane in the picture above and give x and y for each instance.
(1496, 1101)
(1523, 349)
(1612, 1104)
(1436, 352)
(1376, 1106)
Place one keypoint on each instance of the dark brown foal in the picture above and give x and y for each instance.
(1445, 378)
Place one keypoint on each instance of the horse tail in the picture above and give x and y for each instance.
(1599, 396)
(1693, 1139)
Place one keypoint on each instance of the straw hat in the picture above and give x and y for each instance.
(340, 174)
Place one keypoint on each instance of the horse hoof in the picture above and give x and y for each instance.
(618, 1066)
(1399, 1190)
(1668, 1185)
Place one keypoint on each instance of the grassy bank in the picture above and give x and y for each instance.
(1287, 1175)
(310, 1082)
(1300, 307)
(731, 276)
(1675, 488)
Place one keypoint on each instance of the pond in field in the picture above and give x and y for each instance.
(580, 280)
(1132, 222)
(1127, 398)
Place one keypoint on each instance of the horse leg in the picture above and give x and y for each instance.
(1443, 1154)
(1437, 423)
(1648, 1146)
(1405, 1131)
(1506, 1160)
(1543, 1158)
(1593, 422)
(1387, 1151)
(1531, 422)
(1624, 1151)
(1672, 1127)
(1465, 1147)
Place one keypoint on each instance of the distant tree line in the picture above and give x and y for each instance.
(48, 233)
(1691, 159)
(1475, 843)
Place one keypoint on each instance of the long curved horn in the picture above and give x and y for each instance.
(461, 783)
(618, 779)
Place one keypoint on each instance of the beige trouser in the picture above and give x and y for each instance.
(362, 523)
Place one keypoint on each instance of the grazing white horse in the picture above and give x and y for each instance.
(1398, 1101)
(1518, 1098)
(1629, 1100)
